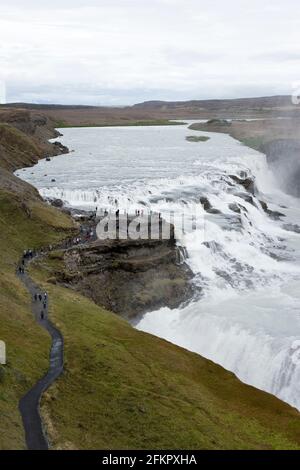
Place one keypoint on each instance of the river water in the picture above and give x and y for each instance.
(246, 311)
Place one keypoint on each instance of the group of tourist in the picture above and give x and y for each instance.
(43, 300)
(27, 255)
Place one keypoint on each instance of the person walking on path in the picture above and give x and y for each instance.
(29, 403)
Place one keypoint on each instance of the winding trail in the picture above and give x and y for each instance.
(29, 404)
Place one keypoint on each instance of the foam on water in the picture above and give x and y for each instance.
(246, 314)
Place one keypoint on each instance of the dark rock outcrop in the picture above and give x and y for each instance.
(56, 203)
(273, 214)
(60, 149)
(207, 206)
(247, 183)
(235, 208)
(247, 198)
(129, 277)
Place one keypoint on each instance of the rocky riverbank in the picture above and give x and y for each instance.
(278, 139)
(256, 133)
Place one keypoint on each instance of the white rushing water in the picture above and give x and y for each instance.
(246, 311)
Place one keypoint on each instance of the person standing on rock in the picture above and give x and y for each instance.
(42, 315)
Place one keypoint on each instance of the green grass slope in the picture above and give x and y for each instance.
(126, 389)
(16, 148)
(121, 388)
(23, 223)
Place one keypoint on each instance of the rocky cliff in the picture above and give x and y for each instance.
(24, 138)
(128, 277)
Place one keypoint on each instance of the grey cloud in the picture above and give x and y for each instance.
(275, 56)
(110, 51)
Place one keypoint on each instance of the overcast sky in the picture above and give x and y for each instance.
(125, 51)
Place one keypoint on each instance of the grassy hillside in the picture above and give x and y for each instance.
(25, 221)
(27, 344)
(16, 148)
(121, 388)
(133, 390)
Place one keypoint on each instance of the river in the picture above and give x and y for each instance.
(246, 311)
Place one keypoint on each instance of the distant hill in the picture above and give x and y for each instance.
(217, 104)
(121, 388)
(156, 112)
(45, 106)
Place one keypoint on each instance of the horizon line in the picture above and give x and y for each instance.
(15, 103)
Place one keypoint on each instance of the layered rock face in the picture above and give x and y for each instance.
(24, 138)
(129, 277)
